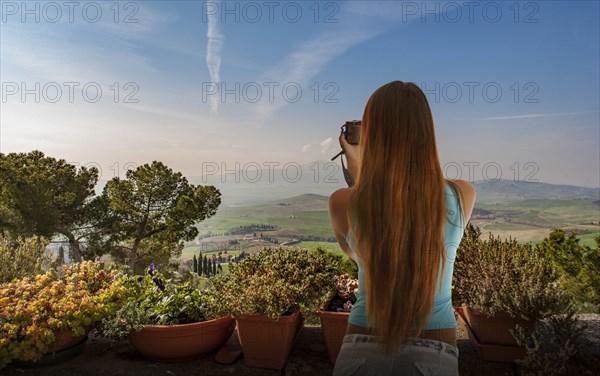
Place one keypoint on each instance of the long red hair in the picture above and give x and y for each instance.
(399, 208)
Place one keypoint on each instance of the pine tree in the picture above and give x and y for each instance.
(195, 264)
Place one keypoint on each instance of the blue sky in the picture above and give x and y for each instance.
(514, 86)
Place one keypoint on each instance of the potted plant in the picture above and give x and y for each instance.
(334, 314)
(165, 321)
(270, 294)
(43, 316)
(502, 285)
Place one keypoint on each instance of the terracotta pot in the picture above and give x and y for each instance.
(182, 342)
(65, 340)
(66, 346)
(333, 325)
(493, 353)
(55, 358)
(494, 330)
(267, 343)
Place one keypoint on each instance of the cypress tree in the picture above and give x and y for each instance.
(200, 263)
(195, 264)
(205, 265)
(209, 267)
(215, 268)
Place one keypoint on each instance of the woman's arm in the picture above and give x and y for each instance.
(339, 202)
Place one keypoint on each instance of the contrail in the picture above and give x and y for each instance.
(549, 114)
(213, 55)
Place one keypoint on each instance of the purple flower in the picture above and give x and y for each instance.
(139, 279)
(151, 269)
(159, 283)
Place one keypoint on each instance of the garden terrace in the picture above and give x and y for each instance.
(308, 357)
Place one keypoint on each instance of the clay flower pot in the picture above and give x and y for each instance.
(182, 342)
(65, 347)
(506, 353)
(494, 330)
(333, 325)
(266, 343)
(65, 340)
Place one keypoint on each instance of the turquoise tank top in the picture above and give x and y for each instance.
(442, 313)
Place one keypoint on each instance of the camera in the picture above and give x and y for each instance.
(352, 134)
(352, 131)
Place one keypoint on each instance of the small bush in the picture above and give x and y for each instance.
(554, 348)
(26, 257)
(34, 310)
(520, 279)
(503, 275)
(277, 282)
(152, 299)
(578, 267)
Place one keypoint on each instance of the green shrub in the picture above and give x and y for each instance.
(277, 282)
(521, 280)
(153, 300)
(578, 267)
(25, 257)
(503, 275)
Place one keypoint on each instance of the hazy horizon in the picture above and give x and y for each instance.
(249, 187)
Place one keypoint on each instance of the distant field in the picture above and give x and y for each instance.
(588, 239)
(335, 247)
(547, 212)
(306, 222)
(528, 220)
(306, 214)
(225, 268)
(533, 219)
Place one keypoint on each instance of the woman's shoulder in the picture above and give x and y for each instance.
(341, 197)
(468, 196)
(467, 191)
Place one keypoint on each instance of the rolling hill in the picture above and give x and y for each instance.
(527, 211)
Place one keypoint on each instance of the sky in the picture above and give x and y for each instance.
(208, 87)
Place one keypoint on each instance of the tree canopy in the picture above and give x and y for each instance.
(143, 218)
(154, 202)
(41, 195)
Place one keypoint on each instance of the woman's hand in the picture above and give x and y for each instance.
(352, 153)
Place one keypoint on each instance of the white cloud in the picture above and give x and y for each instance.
(302, 65)
(326, 145)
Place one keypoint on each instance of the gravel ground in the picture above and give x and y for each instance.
(308, 357)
